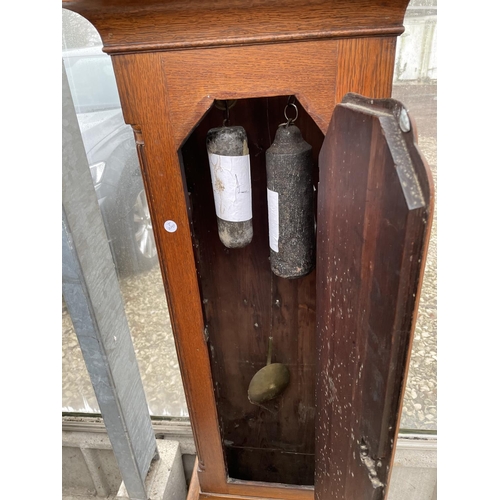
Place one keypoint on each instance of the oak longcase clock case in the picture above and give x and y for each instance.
(344, 330)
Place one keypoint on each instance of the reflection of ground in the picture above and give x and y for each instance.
(152, 335)
(151, 332)
(419, 410)
(149, 323)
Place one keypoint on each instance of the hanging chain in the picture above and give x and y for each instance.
(225, 122)
(225, 105)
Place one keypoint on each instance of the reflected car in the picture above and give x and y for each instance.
(111, 153)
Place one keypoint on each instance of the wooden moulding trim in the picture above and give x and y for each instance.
(217, 496)
(257, 496)
(256, 40)
(154, 25)
(271, 491)
(194, 484)
(255, 490)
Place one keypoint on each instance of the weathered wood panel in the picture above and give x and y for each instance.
(374, 210)
(244, 303)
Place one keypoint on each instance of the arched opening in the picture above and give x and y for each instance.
(244, 304)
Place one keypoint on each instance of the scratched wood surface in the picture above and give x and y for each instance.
(375, 205)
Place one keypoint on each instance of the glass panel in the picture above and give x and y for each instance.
(111, 153)
(112, 157)
(77, 391)
(415, 84)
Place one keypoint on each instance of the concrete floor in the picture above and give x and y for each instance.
(152, 334)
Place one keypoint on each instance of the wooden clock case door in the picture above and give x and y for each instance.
(172, 60)
(375, 205)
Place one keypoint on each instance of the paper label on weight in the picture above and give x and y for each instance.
(232, 187)
(274, 219)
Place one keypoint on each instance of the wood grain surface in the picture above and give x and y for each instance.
(365, 66)
(306, 70)
(171, 60)
(145, 106)
(375, 205)
(169, 198)
(182, 192)
(194, 484)
(147, 25)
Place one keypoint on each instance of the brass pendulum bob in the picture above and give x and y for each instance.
(270, 381)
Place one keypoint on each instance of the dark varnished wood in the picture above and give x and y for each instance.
(244, 303)
(146, 25)
(375, 205)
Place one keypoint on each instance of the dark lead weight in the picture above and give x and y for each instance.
(290, 204)
(229, 160)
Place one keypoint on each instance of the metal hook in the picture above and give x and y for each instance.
(289, 121)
